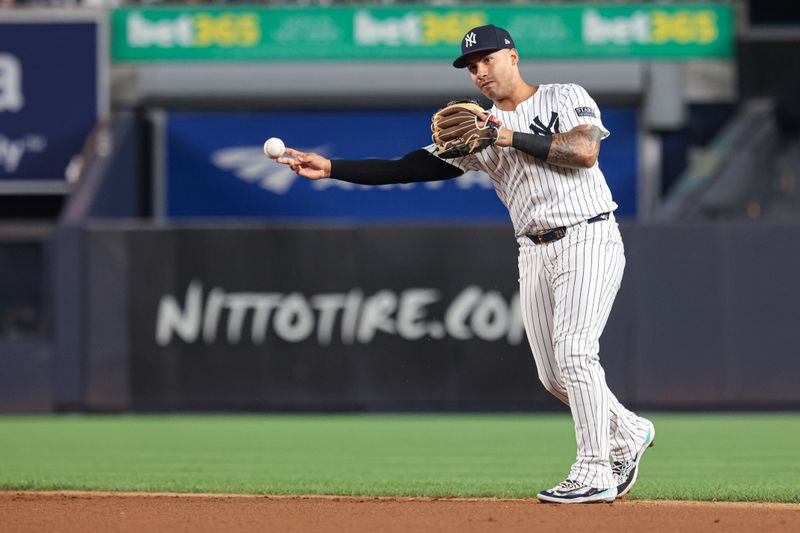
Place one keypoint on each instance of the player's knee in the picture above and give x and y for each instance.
(555, 389)
(575, 350)
(552, 385)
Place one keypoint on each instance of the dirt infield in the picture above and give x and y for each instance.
(88, 511)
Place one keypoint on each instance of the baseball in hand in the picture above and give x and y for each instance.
(274, 147)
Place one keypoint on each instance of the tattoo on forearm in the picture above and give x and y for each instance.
(575, 148)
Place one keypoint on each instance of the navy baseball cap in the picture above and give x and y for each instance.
(483, 38)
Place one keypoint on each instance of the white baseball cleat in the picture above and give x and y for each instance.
(569, 491)
(626, 472)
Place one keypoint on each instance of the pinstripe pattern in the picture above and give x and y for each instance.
(567, 286)
(540, 196)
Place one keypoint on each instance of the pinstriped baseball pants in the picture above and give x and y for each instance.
(567, 288)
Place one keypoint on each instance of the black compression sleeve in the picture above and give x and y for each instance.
(536, 145)
(419, 165)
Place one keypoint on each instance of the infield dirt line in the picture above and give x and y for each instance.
(333, 497)
(134, 512)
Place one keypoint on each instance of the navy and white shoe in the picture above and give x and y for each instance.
(569, 491)
(626, 472)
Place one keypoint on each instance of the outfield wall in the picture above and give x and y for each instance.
(415, 318)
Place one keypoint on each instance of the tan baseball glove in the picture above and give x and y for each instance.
(463, 128)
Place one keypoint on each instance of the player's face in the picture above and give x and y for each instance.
(493, 73)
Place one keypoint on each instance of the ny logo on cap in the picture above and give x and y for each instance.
(470, 39)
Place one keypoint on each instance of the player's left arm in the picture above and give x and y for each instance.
(577, 148)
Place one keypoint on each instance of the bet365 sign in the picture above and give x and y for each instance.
(583, 31)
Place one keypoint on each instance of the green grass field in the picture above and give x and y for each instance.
(698, 457)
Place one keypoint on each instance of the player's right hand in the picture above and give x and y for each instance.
(306, 164)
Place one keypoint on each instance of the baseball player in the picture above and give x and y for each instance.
(539, 144)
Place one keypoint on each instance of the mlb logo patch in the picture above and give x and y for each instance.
(585, 112)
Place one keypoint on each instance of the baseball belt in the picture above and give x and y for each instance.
(558, 233)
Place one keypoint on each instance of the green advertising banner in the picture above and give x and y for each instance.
(575, 31)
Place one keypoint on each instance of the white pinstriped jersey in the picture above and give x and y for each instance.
(564, 302)
(540, 196)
